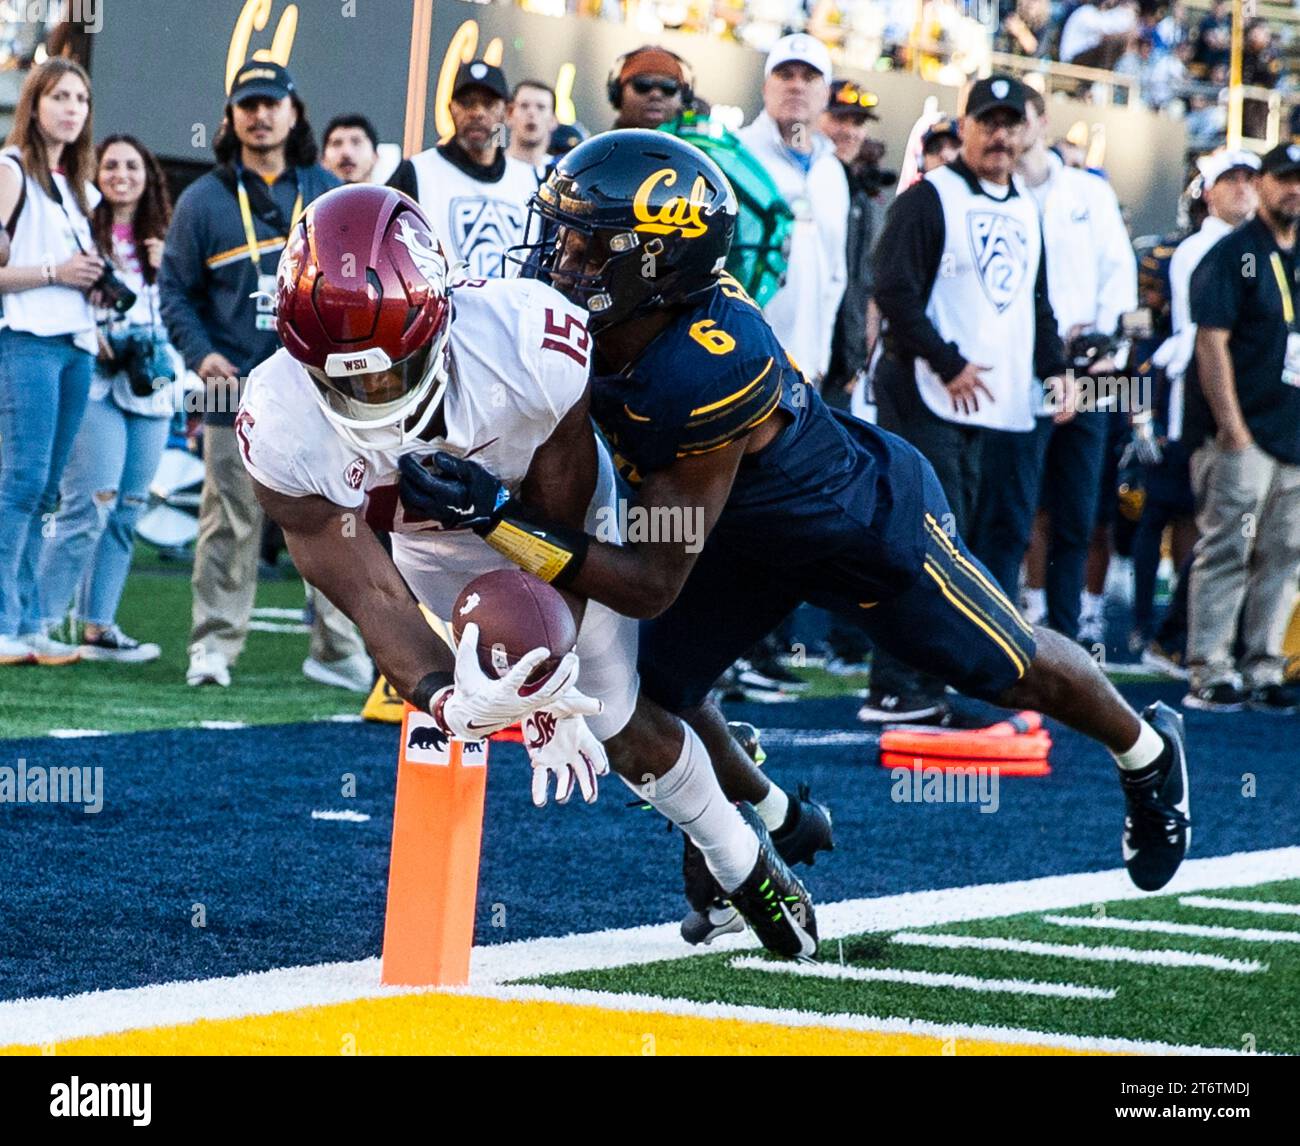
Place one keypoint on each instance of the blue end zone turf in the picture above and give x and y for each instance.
(223, 819)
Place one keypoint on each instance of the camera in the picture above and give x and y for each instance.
(143, 357)
(116, 294)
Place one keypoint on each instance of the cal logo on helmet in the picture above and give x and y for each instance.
(675, 214)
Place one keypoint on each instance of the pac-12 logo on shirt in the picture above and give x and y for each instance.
(482, 229)
(1000, 248)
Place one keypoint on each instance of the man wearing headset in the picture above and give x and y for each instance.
(649, 86)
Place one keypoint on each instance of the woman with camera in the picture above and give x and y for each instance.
(105, 486)
(47, 334)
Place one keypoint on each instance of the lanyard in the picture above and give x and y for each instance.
(246, 213)
(1279, 273)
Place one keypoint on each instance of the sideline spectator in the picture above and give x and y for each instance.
(217, 294)
(784, 139)
(530, 116)
(940, 144)
(350, 149)
(846, 122)
(475, 194)
(648, 87)
(1214, 37)
(1243, 426)
(105, 487)
(1230, 197)
(47, 339)
(1091, 282)
(962, 284)
(1095, 35)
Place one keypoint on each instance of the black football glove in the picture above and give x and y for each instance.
(454, 492)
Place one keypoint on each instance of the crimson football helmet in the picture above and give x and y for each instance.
(363, 302)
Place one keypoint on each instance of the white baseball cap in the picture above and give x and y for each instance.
(1218, 163)
(802, 47)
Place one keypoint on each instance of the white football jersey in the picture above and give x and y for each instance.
(519, 353)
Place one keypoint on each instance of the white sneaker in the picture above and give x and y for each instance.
(114, 645)
(207, 667)
(47, 651)
(355, 673)
(16, 652)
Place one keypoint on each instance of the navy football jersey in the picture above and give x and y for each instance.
(825, 484)
(709, 378)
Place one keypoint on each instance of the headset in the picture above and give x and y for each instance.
(614, 89)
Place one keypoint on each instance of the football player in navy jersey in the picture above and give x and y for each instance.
(712, 424)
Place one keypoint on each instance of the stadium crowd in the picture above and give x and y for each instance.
(1079, 397)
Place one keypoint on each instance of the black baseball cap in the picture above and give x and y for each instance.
(481, 74)
(565, 138)
(995, 92)
(1284, 159)
(945, 128)
(260, 79)
(848, 99)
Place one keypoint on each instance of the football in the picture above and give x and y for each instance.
(515, 613)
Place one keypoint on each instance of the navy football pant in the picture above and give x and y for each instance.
(952, 621)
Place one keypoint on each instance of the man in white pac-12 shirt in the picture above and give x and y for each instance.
(385, 364)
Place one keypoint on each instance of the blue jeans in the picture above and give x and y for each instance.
(44, 383)
(105, 488)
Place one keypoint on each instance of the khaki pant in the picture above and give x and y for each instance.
(225, 562)
(1243, 576)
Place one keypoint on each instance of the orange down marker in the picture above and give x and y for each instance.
(433, 873)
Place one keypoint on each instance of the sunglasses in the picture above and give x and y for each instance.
(644, 85)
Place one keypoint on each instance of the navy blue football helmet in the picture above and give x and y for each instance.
(628, 222)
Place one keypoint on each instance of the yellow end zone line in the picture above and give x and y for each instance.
(450, 1024)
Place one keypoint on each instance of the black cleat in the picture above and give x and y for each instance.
(772, 900)
(806, 831)
(1157, 827)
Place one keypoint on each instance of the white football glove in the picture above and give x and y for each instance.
(477, 705)
(564, 747)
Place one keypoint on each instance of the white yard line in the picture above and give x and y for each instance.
(923, 979)
(75, 733)
(1260, 906)
(277, 627)
(222, 725)
(346, 817)
(44, 1020)
(1079, 951)
(1160, 927)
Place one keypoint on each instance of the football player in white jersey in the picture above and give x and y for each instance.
(383, 365)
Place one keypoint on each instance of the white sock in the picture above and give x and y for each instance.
(689, 795)
(1145, 749)
(1091, 606)
(773, 808)
(1035, 605)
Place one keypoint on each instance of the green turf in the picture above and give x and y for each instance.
(1185, 1006)
(268, 686)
